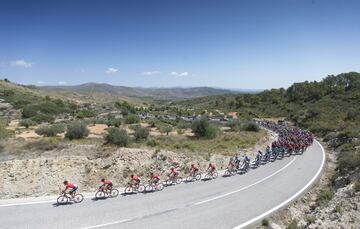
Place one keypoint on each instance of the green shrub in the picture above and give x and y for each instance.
(126, 172)
(199, 127)
(235, 125)
(77, 130)
(41, 118)
(183, 125)
(265, 222)
(5, 133)
(338, 209)
(152, 143)
(310, 219)
(114, 122)
(132, 119)
(211, 132)
(348, 160)
(43, 144)
(85, 114)
(323, 197)
(293, 224)
(50, 130)
(165, 128)
(250, 126)
(141, 133)
(117, 136)
(27, 123)
(357, 186)
(134, 127)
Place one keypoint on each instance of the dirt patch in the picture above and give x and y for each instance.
(97, 129)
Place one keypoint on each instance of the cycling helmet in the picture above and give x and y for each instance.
(132, 175)
(102, 180)
(172, 169)
(66, 182)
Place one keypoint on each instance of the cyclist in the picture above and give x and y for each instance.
(173, 174)
(231, 165)
(135, 180)
(237, 161)
(193, 170)
(72, 188)
(211, 169)
(154, 179)
(107, 184)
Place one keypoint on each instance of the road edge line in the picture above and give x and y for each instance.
(301, 191)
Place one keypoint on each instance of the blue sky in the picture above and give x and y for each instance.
(231, 44)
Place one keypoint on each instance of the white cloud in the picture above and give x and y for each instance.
(62, 82)
(150, 73)
(180, 74)
(111, 71)
(40, 82)
(21, 64)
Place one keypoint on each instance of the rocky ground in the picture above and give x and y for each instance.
(42, 173)
(318, 210)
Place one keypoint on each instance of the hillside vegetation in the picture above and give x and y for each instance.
(330, 108)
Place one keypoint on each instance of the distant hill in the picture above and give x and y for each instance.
(139, 92)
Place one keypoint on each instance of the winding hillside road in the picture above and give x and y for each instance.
(231, 202)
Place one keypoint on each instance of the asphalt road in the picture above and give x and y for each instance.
(225, 202)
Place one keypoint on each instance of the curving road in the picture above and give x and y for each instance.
(231, 202)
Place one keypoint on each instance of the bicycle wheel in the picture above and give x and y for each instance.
(78, 198)
(128, 190)
(178, 180)
(148, 188)
(160, 187)
(63, 199)
(227, 173)
(189, 179)
(215, 175)
(198, 177)
(100, 194)
(141, 188)
(114, 192)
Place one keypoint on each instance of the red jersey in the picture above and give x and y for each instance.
(135, 178)
(69, 185)
(107, 182)
(155, 177)
(194, 168)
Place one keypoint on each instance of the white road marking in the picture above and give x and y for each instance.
(248, 186)
(106, 224)
(36, 202)
(251, 221)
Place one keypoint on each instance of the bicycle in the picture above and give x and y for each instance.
(193, 177)
(211, 175)
(106, 192)
(65, 198)
(173, 180)
(134, 188)
(151, 187)
(230, 172)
